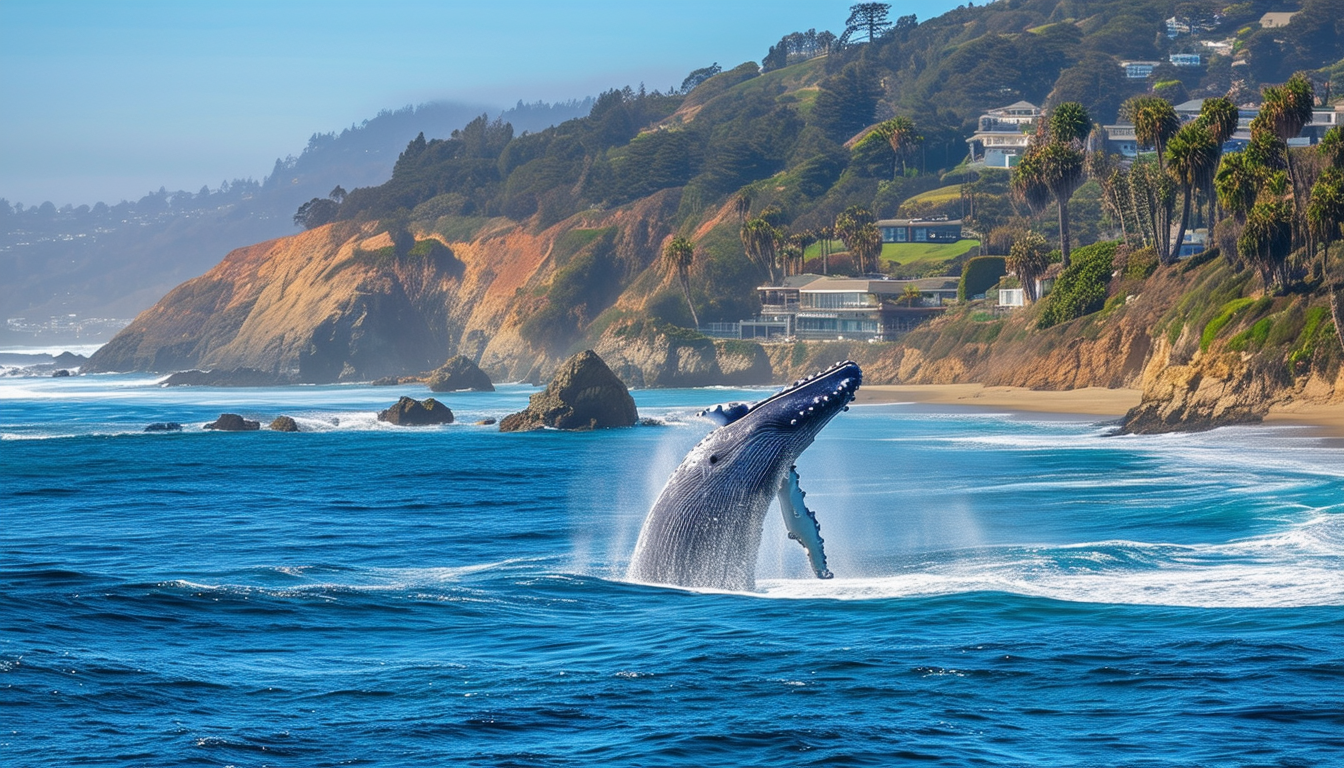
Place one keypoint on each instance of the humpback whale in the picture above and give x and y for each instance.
(705, 528)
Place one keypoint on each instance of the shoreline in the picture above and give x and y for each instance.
(1315, 419)
(1091, 401)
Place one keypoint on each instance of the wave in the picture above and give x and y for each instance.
(1295, 568)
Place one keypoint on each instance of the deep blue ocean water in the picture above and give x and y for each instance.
(1009, 590)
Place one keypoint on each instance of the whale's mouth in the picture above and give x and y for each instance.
(822, 394)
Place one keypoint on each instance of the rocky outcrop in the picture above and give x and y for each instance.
(1214, 389)
(459, 374)
(645, 355)
(164, 426)
(284, 424)
(409, 412)
(60, 374)
(238, 377)
(232, 422)
(584, 394)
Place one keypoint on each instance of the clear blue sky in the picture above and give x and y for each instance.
(105, 100)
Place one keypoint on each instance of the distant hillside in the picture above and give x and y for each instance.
(116, 259)
(556, 237)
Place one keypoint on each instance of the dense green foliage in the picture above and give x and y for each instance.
(979, 274)
(1081, 289)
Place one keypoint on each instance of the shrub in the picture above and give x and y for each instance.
(1080, 289)
(979, 275)
(1224, 316)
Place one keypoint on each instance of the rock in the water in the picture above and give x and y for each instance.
(164, 426)
(60, 374)
(386, 381)
(458, 374)
(409, 412)
(238, 377)
(232, 422)
(584, 394)
(284, 424)
(69, 360)
(485, 422)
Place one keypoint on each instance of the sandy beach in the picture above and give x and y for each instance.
(1324, 420)
(1092, 401)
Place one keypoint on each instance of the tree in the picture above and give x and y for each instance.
(1028, 258)
(901, 135)
(1155, 122)
(1097, 82)
(337, 194)
(870, 19)
(760, 241)
(1332, 147)
(857, 228)
(1266, 241)
(1325, 214)
(699, 76)
(1237, 184)
(1285, 111)
(1069, 122)
(316, 212)
(1051, 170)
(678, 257)
(1193, 155)
(910, 295)
(846, 101)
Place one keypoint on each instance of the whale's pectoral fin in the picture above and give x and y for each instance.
(726, 414)
(801, 523)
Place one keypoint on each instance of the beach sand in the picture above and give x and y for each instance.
(1092, 401)
(1324, 420)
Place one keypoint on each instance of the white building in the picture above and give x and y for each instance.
(1003, 134)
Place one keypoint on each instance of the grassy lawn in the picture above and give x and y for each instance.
(908, 253)
(937, 196)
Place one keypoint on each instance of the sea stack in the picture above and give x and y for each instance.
(409, 412)
(584, 394)
(459, 374)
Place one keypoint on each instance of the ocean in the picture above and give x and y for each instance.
(1010, 590)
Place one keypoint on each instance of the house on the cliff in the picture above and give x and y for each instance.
(817, 308)
(1002, 135)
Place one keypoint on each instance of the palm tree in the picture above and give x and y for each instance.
(901, 134)
(1155, 122)
(1238, 184)
(760, 240)
(1286, 110)
(1028, 258)
(678, 256)
(910, 295)
(1070, 122)
(1220, 116)
(1194, 156)
(856, 227)
(1332, 147)
(1051, 170)
(1325, 213)
(1267, 240)
(742, 206)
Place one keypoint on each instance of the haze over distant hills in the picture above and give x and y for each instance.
(113, 260)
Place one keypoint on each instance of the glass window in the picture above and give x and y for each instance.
(921, 235)
(900, 234)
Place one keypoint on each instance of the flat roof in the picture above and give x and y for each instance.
(910, 222)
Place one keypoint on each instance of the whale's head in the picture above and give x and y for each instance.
(705, 528)
(779, 428)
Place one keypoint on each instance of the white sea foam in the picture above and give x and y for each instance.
(1300, 566)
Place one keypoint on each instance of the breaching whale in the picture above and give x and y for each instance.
(705, 528)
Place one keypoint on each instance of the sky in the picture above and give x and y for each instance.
(111, 99)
